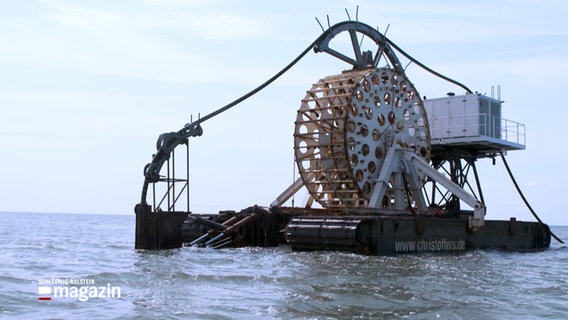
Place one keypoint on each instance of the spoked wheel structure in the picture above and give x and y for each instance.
(344, 127)
(364, 47)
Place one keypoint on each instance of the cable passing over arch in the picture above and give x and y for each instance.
(167, 142)
(367, 155)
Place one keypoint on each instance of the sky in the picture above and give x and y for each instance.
(86, 87)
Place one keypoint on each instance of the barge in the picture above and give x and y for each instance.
(385, 171)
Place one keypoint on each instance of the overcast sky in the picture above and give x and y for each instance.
(86, 87)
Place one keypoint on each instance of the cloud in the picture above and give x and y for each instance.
(156, 41)
(111, 23)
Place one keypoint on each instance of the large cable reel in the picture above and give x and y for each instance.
(344, 128)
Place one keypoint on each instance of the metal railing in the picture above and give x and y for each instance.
(166, 186)
(477, 125)
(513, 132)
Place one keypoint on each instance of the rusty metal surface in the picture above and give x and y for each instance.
(158, 230)
(344, 127)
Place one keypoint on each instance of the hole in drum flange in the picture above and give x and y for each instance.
(365, 149)
(399, 126)
(364, 130)
(406, 114)
(387, 98)
(376, 134)
(420, 122)
(397, 102)
(351, 126)
(384, 78)
(366, 86)
(359, 175)
(411, 131)
(302, 146)
(305, 118)
(375, 79)
(338, 123)
(377, 101)
(391, 117)
(371, 167)
(381, 119)
(354, 160)
(359, 95)
(368, 113)
(366, 188)
(403, 86)
(354, 110)
(378, 152)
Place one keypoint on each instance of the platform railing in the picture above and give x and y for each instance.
(477, 125)
(513, 131)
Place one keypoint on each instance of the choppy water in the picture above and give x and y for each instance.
(260, 283)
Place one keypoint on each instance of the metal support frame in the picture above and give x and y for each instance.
(397, 172)
(172, 195)
(477, 220)
(400, 160)
(457, 165)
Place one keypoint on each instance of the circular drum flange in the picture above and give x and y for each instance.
(385, 108)
(344, 128)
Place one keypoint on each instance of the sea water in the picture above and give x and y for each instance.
(55, 266)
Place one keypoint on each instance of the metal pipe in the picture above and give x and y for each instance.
(173, 208)
(210, 232)
(222, 244)
(154, 196)
(168, 182)
(230, 229)
(214, 239)
(207, 223)
(477, 182)
(187, 171)
(199, 240)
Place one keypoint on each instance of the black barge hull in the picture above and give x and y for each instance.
(393, 235)
(373, 234)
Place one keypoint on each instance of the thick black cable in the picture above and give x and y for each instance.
(194, 129)
(262, 86)
(523, 197)
(409, 57)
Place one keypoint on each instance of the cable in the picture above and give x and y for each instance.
(525, 199)
(262, 86)
(193, 128)
(298, 58)
(425, 67)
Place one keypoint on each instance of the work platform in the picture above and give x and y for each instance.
(472, 122)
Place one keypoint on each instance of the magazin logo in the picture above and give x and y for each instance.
(80, 289)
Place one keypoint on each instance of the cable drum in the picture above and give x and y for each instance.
(344, 127)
